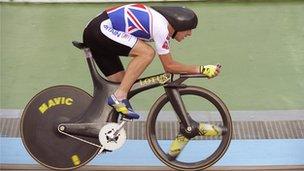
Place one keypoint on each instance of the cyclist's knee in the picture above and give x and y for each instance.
(141, 49)
(150, 53)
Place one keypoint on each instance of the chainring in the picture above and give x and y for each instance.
(110, 142)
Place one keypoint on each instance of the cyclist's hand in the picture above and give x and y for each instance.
(211, 70)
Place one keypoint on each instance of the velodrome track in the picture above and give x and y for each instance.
(279, 155)
(259, 143)
(152, 168)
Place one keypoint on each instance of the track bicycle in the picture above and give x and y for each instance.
(64, 127)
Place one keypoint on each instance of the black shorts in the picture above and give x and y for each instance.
(105, 51)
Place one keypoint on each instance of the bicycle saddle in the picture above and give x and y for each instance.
(79, 45)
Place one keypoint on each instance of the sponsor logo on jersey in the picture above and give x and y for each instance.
(113, 31)
(126, 36)
(117, 33)
(165, 45)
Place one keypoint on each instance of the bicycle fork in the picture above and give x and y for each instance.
(188, 127)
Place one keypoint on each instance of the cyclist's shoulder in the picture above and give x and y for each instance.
(156, 15)
(159, 22)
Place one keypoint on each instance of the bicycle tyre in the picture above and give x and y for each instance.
(39, 122)
(160, 154)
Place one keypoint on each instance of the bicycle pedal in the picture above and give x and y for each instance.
(110, 138)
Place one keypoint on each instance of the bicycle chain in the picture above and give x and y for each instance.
(85, 141)
(80, 139)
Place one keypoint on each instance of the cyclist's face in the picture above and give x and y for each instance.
(182, 34)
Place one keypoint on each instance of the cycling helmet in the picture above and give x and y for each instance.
(180, 18)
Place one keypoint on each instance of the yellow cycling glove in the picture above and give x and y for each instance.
(209, 70)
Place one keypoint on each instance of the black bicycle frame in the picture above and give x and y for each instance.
(98, 112)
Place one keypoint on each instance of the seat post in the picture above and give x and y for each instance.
(93, 71)
(98, 80)
(88, 53)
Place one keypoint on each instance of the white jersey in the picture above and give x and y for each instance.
(128, 23)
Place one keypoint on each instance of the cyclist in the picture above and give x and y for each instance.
(124, 31)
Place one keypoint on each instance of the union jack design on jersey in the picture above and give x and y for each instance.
(134, 19)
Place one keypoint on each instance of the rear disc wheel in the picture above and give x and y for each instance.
(39, 128)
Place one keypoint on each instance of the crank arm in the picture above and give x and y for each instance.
(124, 121)
(61, 129)
(119, 128)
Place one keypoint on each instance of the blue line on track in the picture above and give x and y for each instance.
(138, 153)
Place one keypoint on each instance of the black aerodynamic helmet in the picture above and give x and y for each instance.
(180, 18)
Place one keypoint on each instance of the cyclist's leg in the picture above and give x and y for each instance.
(117, 77)
(143, 55)
(104, 50)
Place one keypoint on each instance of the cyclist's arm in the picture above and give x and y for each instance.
(175, 67)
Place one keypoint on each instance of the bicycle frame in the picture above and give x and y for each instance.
(98, 112)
